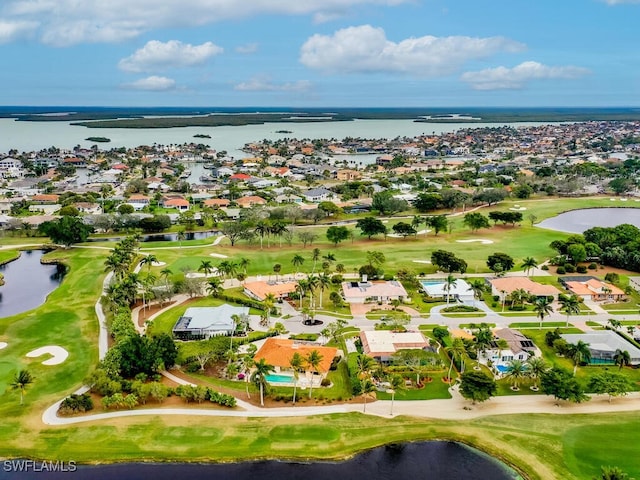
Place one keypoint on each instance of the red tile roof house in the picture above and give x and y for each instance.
(595, 290)
(250, 201)
(45, 199)
(178, 203)
(216, 202)
(278, 352)
(239, 177)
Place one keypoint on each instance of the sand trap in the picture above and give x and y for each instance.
(214, 273)
(517, 209)
(58, 354)
(3, 345)
(421, 261)
(158, 264)
(483, 241)
(218, 255)
(612, 199)
(623, 199)
(395, 235)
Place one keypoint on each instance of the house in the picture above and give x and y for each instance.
(216, 203)
(518, 347)
(383, 344)
(437, 288)
(179, 203)
(207, 322)
(504, 286)
(239, 177)
(88, 208)
(232, 213)
(592, 289)
(45, 199)
(288, 198)
(10, 163)
(347, 174)
(250, 201)
(278, 352)
(138, 201)
(634, 282)
(317, 195)
(603, 345)
(366, 292)
(259, 290)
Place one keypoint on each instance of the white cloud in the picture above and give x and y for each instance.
(367, 49)
(157, 55)
(68, 22)
(153, 83)
(503, 78)
(247, 48)
(265, 85)
(10, 31)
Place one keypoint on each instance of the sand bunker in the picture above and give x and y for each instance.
(58, 354)
(3, 345)
(483, 241)
(395, 235)
(158, 264)
(421, 261)
(218, 255)
(214, 273)
(517, 208)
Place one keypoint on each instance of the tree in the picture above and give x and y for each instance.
(448, 262)
(21, 381)
(235, 231)
(457, 350)
(612, 473)
(542, 307)
(439, 223)
(478, 287)
(476, 221)
(477, 386)
(613, 384)
(570, 304)
(528, 264)
(577, 252)
(214, 286)
(449, 283)
(66, 230)
(516, 371)
(337, 234)
(490, 196)
(259, 377)
(562, 385)
(621, 358)
(536, 367)
(386, 204)
(620, 185)
(296, 362)
(307, 238)
(206, 267)
(404, 229)
(376, 258)
(499, 262)
(370, 226)
(297, 262)
(396, 383)
(313, 360)
(578, 352)
(426, 202)
(367, 387)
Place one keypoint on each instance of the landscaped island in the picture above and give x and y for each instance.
(98, 139)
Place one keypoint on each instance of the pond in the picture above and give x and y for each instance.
(162, 237)
(577, 221)
(417, 461)
(27, 282)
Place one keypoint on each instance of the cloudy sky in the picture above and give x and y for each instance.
(341, 53)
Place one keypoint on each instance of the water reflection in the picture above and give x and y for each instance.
(28, 282)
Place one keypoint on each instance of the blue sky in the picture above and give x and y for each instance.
(323, 53)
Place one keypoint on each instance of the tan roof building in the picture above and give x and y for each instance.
(382, 344)
(278, 352)
(594, 289)
(250, 201)
(363, 292)
(216, 202)
(260, 290)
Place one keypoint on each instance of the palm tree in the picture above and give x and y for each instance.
(578, 352)
(324, 282)
(21, 380)
(456, 350)
(329, 258)
(313, 359)
(375, 258)
(246, 364)
(478, 287)
(214, 285)
(536, 367)
(449, 282)
(259, 377)
(621, 358)
(516, 371)
(206, 267)
(165, 272)
(269, 302)
(528, 264)
(312, 284)
(570, 305)
(296, 363)
(518, 296)
(243, 264)
(483, 338)
(262, 229)
(612, 473)
(149, 260)
(542, 307)
(180, 236)
(315, 256)
(367, 387)
(297, 262)
(397, 383)
(615, 324)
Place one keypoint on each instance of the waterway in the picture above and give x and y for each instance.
(27, 283)
(415, 461)
(577, 221)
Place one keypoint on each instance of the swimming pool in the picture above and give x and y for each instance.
(502, 368)
(426, 283)
(277, 378)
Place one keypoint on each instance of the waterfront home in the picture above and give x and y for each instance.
(316, 195)
(181, 204)
(45, 199)
(383, 344)
(504, 286)
(138, 201)
(518, 347)
(250, 201)
(379, 291)
(593, 289)
(603, 345)
(278, 352)
(207, 322)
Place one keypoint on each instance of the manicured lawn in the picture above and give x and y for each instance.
(432, 390)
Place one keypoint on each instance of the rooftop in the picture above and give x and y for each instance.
(262, 289)
(509, 284)
(386, 342)
(278, 352)
(210, 318)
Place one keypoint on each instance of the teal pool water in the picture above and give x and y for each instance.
(275, 378)
(426, 283)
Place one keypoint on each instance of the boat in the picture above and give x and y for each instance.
(207, 178)
(209, 166)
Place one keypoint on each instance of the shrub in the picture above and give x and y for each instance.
(560, 271)
(356, 385)
(337, 279)
(612, 277)
(461, 308)
(220, 398)
(517, 308)
(325, 382)
(581, 269)
(592, 266)
(496, 298)
(569, 268)
(544, 267)
(76, 404)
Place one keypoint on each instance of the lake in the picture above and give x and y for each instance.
(415, 461)
(577, 221)
(27, 283)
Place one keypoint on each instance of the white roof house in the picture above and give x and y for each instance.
(382, 344)
(206, 322)
(461, 290)
(603, 345)
(363, 292)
